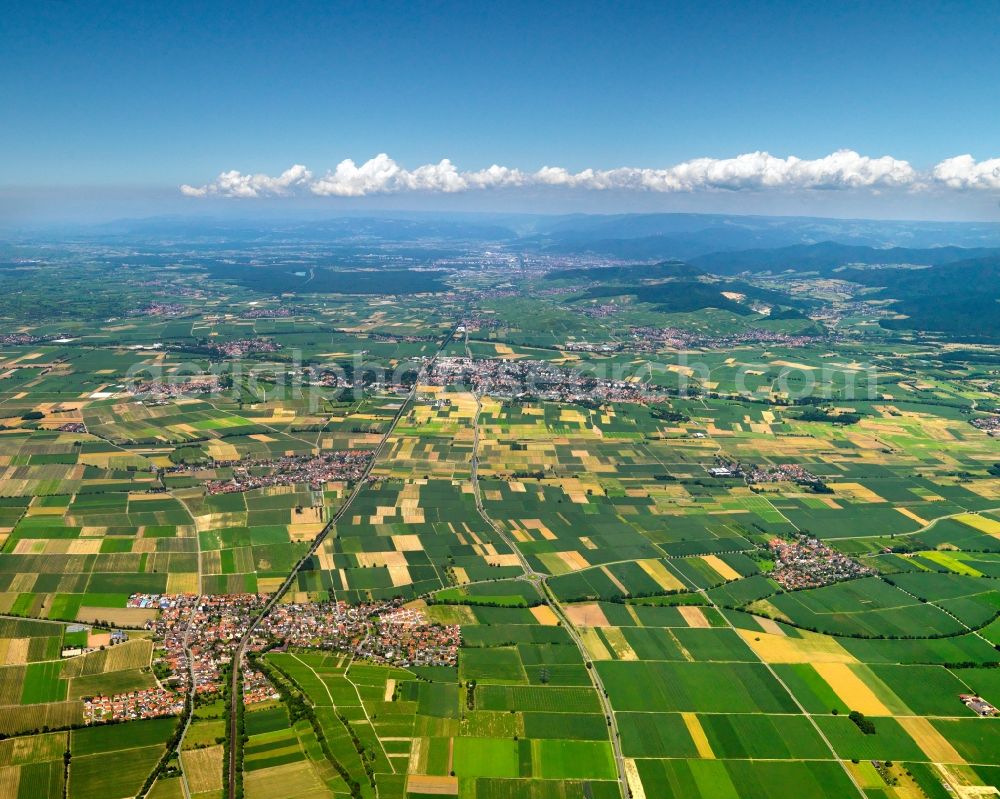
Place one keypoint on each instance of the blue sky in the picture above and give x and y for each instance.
(116, 99)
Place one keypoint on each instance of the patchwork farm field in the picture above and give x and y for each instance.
(640, 591)
(523, 714)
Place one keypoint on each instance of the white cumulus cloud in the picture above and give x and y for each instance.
(758, 171)
(236, 184)
(843, 169)
(964, 172)
(382, 175)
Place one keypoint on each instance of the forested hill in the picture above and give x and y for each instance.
(961, 298)
(828, 256)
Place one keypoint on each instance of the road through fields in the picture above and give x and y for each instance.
(317, 542)
(549, 598)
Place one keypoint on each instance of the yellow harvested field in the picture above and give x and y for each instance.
(291, 779)
(963, 781)
(986, 488)
(594, 645)
(433, 786)
(10, 779)
(794, 365)
(697, 733)
(182, 583)
(504, 351)
(545, 615)
(769, 625)
(61, 546)
(42, 510)
(536, 524)
(400, 575)
(931, 742)
(418, 756)
(661, 575)
(623, 650)
(308, 515)
(268, 585)
(23, 582)
(137, 497)
(325, 558)
(407, 543)
(203, 768)
(909, 514)
(221, 451)
(17, 652)
(31, 546)
(856, 491)
(144, 545)
(693, 616)
(574, 560)
(587, 614)
(632, 778)
(782, 648)
(717, 564)
(502, 560)
(851, 689)
(126, 617)
(216, 521)
(368, 559)
(304, 531)
(461, 575)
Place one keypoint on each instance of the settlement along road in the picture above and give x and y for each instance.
(317, 542)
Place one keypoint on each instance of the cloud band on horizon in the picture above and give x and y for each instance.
(844, 169)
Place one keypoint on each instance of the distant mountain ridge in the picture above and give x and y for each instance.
(688, 236)
(649, 236)
(827, 256)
